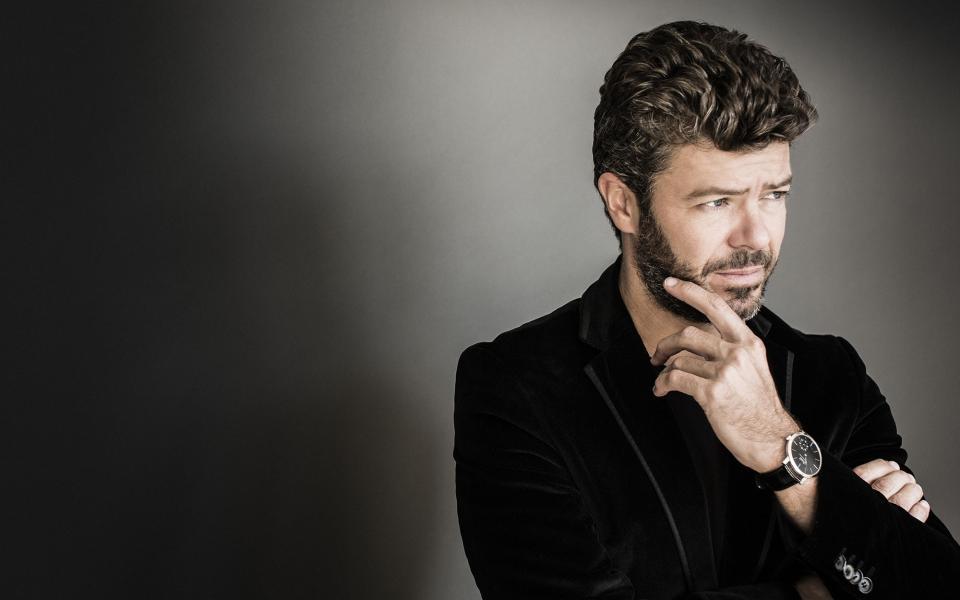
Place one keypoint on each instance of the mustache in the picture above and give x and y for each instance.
(738, 260)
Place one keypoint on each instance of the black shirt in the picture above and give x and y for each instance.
(730, 495)
(712, 461)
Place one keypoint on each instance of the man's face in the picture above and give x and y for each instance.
(714, 213)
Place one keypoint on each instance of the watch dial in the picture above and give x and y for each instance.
(806, 455)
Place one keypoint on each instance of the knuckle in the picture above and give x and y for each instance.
(901, 477)
(739, 354)
(688, 332)
(725, 369)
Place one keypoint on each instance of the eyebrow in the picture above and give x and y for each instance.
(715, 191)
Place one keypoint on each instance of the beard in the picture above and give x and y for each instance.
(654, 261)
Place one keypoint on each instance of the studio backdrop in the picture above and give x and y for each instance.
(248, 242)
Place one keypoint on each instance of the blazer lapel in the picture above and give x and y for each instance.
(621, 375)
(651, 431)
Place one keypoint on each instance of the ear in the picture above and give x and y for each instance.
(620, 201)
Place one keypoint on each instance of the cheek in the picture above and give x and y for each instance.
(697, 242)
(696, 239)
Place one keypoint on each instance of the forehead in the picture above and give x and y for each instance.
(698, 166)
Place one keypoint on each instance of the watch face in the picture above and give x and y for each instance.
(806, 455)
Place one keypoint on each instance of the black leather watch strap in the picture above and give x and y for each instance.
(776, 480)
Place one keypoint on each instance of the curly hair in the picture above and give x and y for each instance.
(688, 82)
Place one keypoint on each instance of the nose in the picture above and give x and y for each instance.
(750, 230)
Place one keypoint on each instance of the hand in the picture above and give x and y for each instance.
(727, 374)
(899, 487)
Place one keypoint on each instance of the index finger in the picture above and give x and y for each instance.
(728, 323)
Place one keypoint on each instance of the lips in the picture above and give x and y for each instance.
(742, 277)
(741, 272)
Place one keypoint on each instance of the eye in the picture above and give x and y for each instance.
(716, 204)
(779, 195)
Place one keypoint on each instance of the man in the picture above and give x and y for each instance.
(666, 435)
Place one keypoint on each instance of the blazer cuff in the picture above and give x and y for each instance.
(848, 541)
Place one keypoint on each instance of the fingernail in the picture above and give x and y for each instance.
(893, 464)
(925, 503)
(669, 282)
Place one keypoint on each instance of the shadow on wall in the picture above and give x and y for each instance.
(311, 475)
(197, 410)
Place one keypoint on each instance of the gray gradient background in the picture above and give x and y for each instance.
(273, 228)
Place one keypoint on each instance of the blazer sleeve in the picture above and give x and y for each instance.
(861, 543)
(525, 530)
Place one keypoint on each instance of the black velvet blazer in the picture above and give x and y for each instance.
(571, 483)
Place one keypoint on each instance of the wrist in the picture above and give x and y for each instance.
(773, 452)
(772, 457)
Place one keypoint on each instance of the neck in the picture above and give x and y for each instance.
(651, 322)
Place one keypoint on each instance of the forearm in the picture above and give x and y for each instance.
(899, 554)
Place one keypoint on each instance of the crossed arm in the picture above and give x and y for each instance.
(725, 371)
(899, 487)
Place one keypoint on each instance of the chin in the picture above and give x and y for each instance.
(746, 302)
(749, 311)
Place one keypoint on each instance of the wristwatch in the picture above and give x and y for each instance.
(802, 462)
